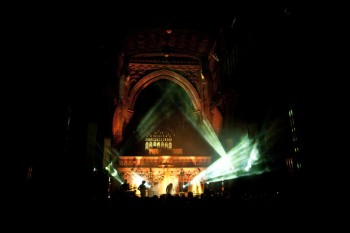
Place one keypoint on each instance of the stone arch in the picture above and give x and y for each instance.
(125, 109)
(169, 75)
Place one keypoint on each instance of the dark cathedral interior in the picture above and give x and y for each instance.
(213, 82)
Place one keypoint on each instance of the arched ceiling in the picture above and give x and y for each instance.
(193, 33)
(168, 40)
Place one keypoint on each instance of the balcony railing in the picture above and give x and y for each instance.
(161, 163)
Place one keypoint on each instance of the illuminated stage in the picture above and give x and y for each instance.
(159, 171)
(163, 165)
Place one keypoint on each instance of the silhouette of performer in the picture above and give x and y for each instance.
(169, 188)
(125, 186)
(142, 188)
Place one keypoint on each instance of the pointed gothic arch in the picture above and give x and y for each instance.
(125, 110)
(164, 74)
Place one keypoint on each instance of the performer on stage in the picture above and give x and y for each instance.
(142, 188)
(125, 186)
(169, 189)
